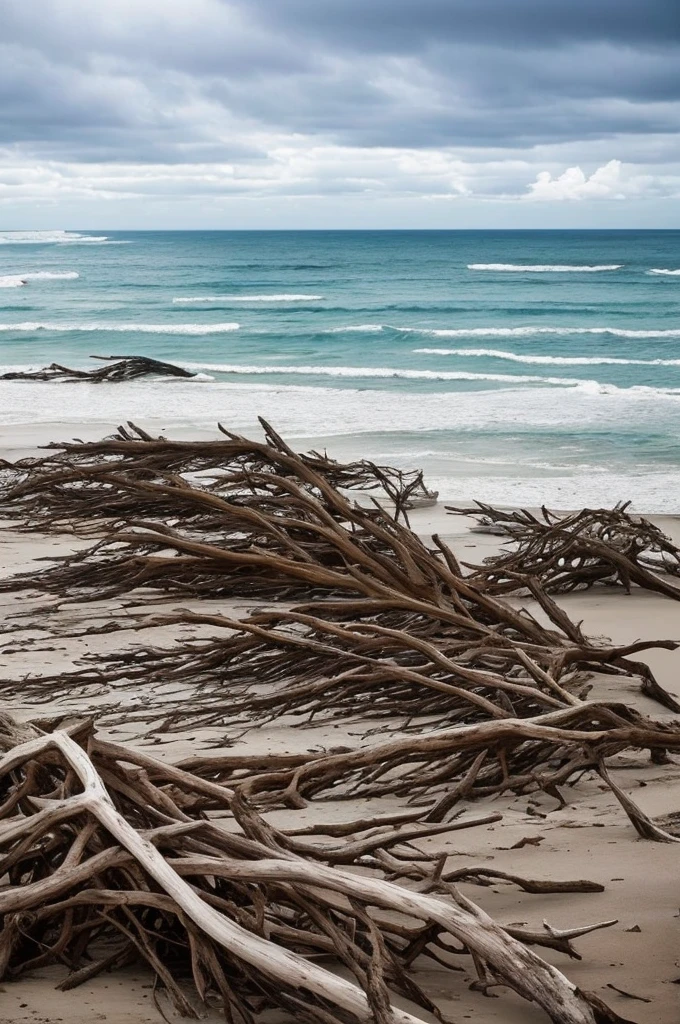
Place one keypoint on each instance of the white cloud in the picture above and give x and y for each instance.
(605, 183)
(296, 179)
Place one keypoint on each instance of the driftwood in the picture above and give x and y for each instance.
(573, 552)
(124, 856)
(85, 486)
(394, 628)
(103, 853)
(318, 669)
(453, 765)
(119, 368)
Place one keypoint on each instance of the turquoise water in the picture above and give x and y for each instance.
(516, 365)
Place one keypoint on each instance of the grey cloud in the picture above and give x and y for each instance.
(407, 25)
(171, 82)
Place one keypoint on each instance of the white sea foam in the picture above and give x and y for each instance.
(285, 297)
(48, 237)
(514, 357)
(662, 272)
(506, 332)
(51, 275)
(357, 328)
(527, 332)
(19, 280)
(545, 268)
(123, 328)
(377, 372)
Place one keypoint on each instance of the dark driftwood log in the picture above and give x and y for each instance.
(119, 368)
(454, 764)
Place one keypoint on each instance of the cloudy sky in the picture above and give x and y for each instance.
(339, 113)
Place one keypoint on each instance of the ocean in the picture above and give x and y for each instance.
(515, 366)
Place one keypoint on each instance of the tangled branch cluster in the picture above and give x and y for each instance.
(117, 849)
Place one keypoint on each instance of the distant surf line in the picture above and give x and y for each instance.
(546, 268)
(19, 280)
(527, 331)
(492, 353)
(284, 297)
(56, 238)
(374, 372)
(384, 373)
(123, 328)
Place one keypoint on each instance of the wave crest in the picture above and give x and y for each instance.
(123, 328)
(514, 357)
(378, 372)
(509, 332)
(48, 237)
(662, 272)
(19, 280)
(359, 328)
(285, 297)
(527, 332)
(545, 268)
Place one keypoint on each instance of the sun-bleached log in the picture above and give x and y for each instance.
(85, 801)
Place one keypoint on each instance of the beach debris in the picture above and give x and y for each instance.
(69, 489)
(527, 841)
(120, 368)
(628, 995)
(108, 861)
(114, 855)
(452, 766)
(390, 626)
(574, 551)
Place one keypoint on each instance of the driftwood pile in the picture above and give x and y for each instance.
(395, 629)
(576, 551)
(124, 856)
(87, 485)
(120, 368)
(105, 866)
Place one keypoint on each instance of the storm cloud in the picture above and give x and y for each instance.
(395, 101)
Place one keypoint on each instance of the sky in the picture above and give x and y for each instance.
(144, 114)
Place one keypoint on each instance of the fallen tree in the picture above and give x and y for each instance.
(448, 766)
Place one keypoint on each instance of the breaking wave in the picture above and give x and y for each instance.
(495, 353)
(19, 280)
(123, 328)
(360, 328)
(545, 268)
(378, 372)
(286, 297)
(664, 273)
(49, 238)
(510, 332)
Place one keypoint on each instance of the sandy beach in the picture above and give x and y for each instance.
(590, 837)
